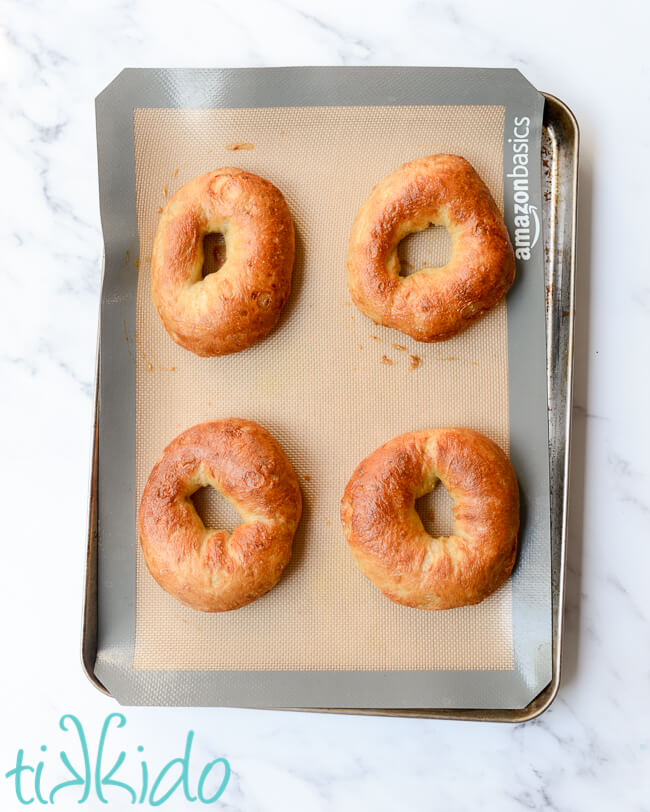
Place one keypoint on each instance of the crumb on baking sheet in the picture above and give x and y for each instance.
(360, 346)
(127, 257)
(328, 522)
(164, 190)
(386, 360)
(136, 262)
(400, 347)
(375, 338)
(160, 209)
(447, 358)
(414, 361)
(240, 145)
(175, 172)
(307, 478)
(150, 362)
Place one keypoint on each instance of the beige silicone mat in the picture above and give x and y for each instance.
(327, 383)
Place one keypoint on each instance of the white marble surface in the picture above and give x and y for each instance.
(591, 750)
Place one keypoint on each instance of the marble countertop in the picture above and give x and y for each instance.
(591, 750)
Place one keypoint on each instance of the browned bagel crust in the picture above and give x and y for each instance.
(432, 304)
(230, 310)
(385, 533)
(207, 569)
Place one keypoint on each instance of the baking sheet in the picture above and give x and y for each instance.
(329, 384)
(425, 683)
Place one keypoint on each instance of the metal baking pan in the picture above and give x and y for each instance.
(559, 163)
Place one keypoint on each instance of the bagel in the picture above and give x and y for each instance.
(207, 569)
(432, 304)
(387, 538)
(236, 307)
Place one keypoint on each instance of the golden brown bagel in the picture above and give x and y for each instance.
(431, 304)
(208, 569)
(385, 533)
(234, 308)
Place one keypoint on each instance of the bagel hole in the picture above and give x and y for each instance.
(214, 510)
(435, 509)
(430, 248)
(214, 253)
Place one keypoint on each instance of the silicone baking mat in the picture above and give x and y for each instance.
(330, 386)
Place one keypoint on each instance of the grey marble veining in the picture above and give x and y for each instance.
(591, 750)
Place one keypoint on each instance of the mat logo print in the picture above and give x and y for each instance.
(524, 211)
(98, 774)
